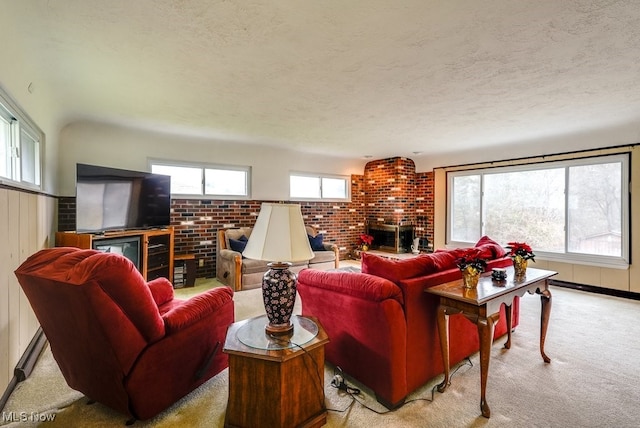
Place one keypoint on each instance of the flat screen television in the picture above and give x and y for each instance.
(119, 199)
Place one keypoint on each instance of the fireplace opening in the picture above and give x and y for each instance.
(394, 238)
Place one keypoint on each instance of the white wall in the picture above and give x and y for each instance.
(551, 145)
(23, 76)
(119, 147)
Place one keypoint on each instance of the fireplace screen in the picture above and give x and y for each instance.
(391, 237)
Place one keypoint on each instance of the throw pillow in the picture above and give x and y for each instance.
(238, 244)
(316, 242)
(444, 260)
(397, 270)
(490, 249)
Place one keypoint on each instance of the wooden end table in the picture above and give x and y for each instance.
(276, 381)
(482, 307)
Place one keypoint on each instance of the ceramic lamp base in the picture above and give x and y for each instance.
(279, 296)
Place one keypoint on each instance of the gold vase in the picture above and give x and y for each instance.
(470, 277)
(519, 266)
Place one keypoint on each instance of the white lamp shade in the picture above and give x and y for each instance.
(279, 235)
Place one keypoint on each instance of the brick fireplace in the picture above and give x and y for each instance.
(399, 203)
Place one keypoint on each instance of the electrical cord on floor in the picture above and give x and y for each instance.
(339, 383)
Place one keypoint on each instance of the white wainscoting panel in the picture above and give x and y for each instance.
(27, 224)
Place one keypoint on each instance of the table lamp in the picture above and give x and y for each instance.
(279, 237)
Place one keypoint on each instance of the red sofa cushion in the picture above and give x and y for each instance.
(490, 249)
(161, 290)
(368, 287)
(486, 248)
(396, 270)
(444, 260)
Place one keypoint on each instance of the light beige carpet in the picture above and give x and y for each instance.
(592, 381)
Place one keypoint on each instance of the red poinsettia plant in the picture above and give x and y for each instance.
(365, 239)
(470, 260)
(520, 249)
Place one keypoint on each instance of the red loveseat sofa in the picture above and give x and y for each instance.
(381, 324)
(119, 340)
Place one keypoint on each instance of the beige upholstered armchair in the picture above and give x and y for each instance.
(243, 274)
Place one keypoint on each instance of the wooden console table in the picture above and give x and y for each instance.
(482, 307)
(276, 382)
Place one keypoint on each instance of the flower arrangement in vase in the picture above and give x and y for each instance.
(520, 253)
(364, 241)
(471, 266)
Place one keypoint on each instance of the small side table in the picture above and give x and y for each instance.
(184, 271)
(481, 306)
(276, 382)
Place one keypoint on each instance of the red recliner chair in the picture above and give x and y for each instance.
(119, 340)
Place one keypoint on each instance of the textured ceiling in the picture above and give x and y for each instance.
(353, 78)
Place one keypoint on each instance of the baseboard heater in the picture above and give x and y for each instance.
(598, 290)
(25, 365)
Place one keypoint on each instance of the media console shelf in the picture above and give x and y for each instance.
(151, 250)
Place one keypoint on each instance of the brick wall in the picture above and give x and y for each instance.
(390, 190)
(424, 205)
(66, 214)
(196, 221)
(396, 194)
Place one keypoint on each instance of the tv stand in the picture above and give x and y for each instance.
(156, 247)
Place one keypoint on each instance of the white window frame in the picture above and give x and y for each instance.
(21, 129)
(347, 181)
(202, 167)
(621, 262)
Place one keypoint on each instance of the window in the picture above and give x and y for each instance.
(570, 210)
(205, 180)
(6, 142)
(30, 157)
(20, 145)
(321, 187)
